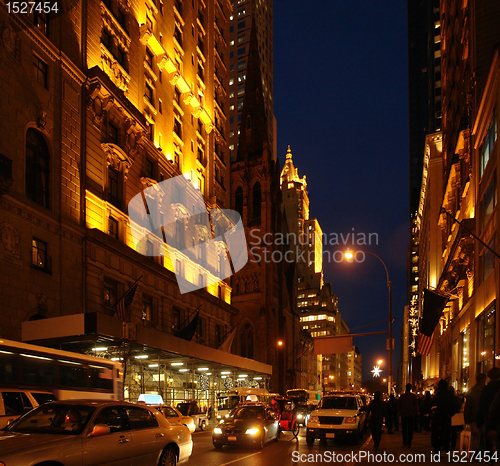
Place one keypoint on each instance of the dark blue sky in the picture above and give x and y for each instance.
(341, 103)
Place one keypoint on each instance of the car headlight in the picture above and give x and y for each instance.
(227, 415)
(219, 416)
(314, 419)
(299, 416)
(217, 430)
(253, 431)
(350, 420)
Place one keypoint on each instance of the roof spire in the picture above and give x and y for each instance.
(289, 152)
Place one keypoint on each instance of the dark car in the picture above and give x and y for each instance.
(94, 433)
(249, 425)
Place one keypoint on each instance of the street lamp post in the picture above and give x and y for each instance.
(278, 343)
(350, 255)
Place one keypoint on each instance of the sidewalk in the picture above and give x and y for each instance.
(421, 450)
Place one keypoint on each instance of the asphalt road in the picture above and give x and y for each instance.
(287, 451)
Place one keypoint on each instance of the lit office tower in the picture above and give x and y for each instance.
(248, 14)
(424, 89)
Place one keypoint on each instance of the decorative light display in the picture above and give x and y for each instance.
(376, 371)
(413, 321)
(204, 382)
(228, 383)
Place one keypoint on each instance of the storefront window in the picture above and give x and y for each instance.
(486, 341)
(464, 376)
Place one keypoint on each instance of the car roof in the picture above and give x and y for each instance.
(95, 403)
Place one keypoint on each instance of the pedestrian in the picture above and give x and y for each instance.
(425, 411)
(376, 412)
(457, 420)
(443, 408)
(391, 408)
(471, 409)
(210, 413)
(487, 396)
(408, 408)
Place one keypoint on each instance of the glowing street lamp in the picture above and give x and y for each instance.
(350, 255)
(376, 371)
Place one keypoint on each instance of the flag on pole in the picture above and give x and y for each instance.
(187, 333)
(123, 305)
(432, 311)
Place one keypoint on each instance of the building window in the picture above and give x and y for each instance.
(112, 133)
(110, 294)
(178, 268)
(489, 201)
(200, 329)
(149, 169)
(41, 71)
(149, 94)
(256, 201)
(241, 25)
(121, 58)
(176, 318)
(178, 127)
(488, 143)
(121, 17)
(178, 34)
(219, 334)
(486, 341)
(40, 20)
(147, 309)
(149, 57)
(113, 227)
(247, 341)
(114, 188)
(39, 257)
(37, 168)
(241, 51)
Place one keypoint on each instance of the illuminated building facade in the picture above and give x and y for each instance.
(461, 190)
(100, 103)
(355, 368)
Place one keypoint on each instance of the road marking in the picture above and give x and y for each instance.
(239, 459)
(362, 447)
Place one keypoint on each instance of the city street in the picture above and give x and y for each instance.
(274, 453)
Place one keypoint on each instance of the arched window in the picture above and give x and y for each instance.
(37, 168)
(256, 201)
(246, 341)
(238, 201)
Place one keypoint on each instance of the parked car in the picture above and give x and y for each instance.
(176, 418)
(173, 415)
(15, 402)
(339, 415)
(251, 424)
(94, 433)
(191, 409)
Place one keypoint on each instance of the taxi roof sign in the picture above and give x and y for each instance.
(151, 399)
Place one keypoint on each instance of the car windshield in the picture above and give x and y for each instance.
(340, 402)
(57, 419)
(248, 413)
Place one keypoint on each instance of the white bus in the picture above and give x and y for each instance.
(227, 401)
(65, 374)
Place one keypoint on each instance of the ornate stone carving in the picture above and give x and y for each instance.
(117, 158)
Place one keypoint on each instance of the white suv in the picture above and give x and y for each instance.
(337, 416)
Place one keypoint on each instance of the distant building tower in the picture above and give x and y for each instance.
(316, 302)
(249, 17)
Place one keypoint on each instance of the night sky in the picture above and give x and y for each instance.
(341, 103)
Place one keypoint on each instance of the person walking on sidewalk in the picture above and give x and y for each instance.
(470, 412)
(408, 408)
(443, 408)
(391, 412)
(487, 396)
(376, 412)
